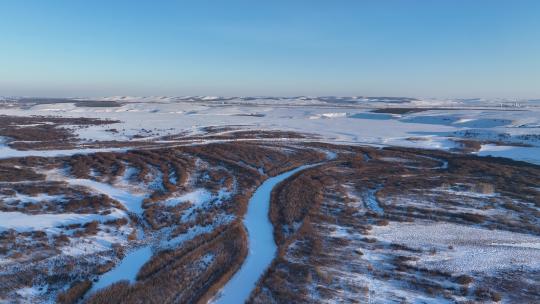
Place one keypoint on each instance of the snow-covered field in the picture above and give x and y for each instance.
(149, 207)
(472, 249)
(349, 121)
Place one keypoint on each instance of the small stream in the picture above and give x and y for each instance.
(262, 247)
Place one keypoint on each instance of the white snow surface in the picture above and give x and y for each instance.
(347, 123)
(31, 293)
(474, 249)
(132, 202)
(33, 199)
(197, 197)
(527, 154)
(47, 221)
(129, 199)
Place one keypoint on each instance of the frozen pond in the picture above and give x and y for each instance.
(262, 247)
(528, 154)
(126, 270)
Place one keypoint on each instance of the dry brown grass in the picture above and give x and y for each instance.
(74, 293)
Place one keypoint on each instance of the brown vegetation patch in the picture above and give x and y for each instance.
(38, 132)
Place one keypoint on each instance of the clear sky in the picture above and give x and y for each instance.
(430, 48)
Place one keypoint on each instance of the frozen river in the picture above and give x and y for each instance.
(262, 247)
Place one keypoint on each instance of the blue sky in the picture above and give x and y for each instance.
(458, 48)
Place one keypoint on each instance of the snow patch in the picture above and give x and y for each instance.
(527, 154)
(126, 270)
(25, 222)
(473, 249)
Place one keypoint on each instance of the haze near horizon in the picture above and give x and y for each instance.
(241, 48)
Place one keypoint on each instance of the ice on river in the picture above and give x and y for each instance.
(262, 247)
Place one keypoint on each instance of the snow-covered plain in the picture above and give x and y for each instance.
(347, 121)
(473, 249)
(151, 118)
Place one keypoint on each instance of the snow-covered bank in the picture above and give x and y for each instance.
(126, 270)
(262, 247)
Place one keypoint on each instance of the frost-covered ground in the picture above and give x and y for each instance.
(472, 249)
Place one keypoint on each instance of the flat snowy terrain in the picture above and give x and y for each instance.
(430, 124)
(269, 200)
